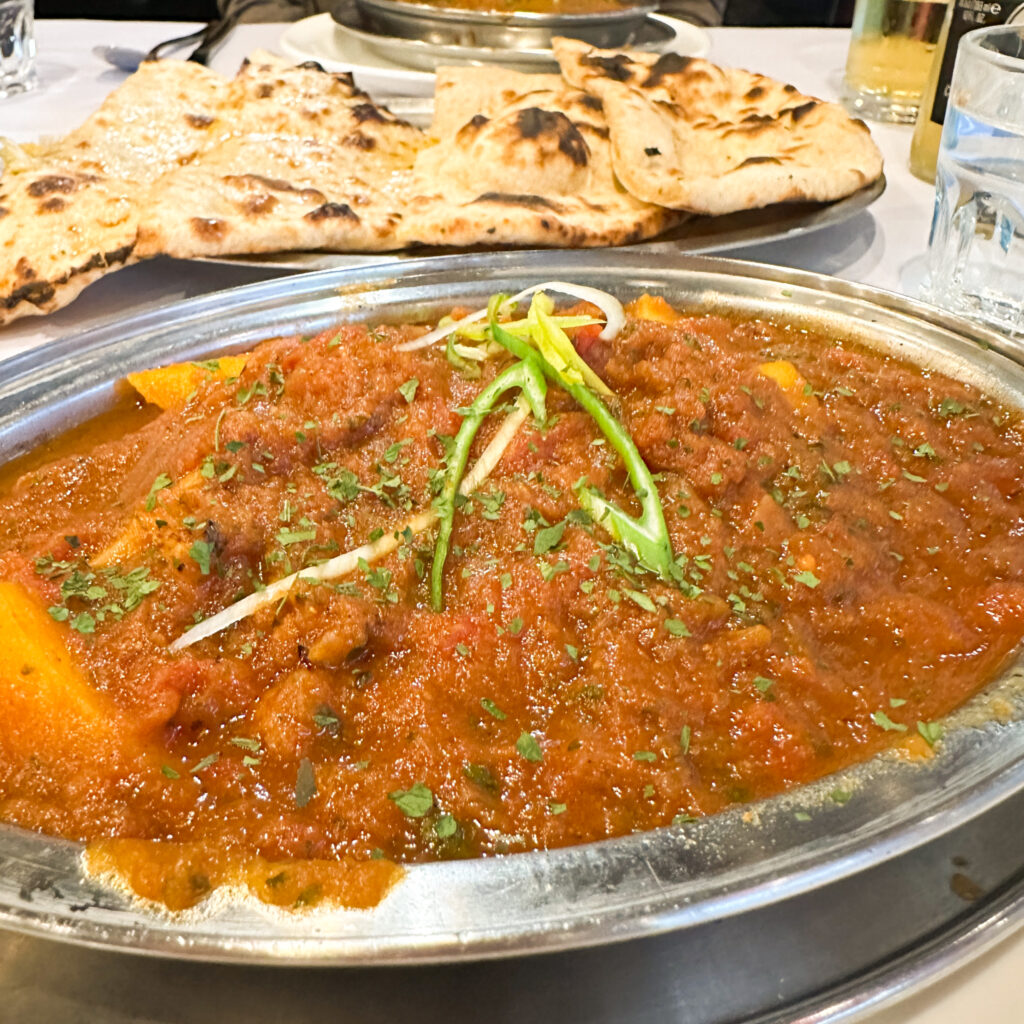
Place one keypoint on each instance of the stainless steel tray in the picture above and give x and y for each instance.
(831, 955)
(737, 864)
(497, 29)
(697, 236)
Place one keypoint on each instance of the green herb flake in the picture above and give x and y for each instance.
(639, 598)
(246, 743)
(883, 721)
(445, 827)
(931, 731)
(556, 808)
(807, 578)
(160, 483)
(515, 626)
(683, 818)
(573, 652)
(801, 816)
(413, 802)
(529, 748)
(548, 538)
(684, 739)
(840, 796)
(168, 771)
(408, 389)
(676, 627)
(285, 536)
(325, 718)
(205, 763)
(644, 755)
(201, 552)
(492, 709)
(763, 683)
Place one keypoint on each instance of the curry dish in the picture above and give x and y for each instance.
(771, 555)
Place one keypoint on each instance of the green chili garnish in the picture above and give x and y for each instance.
(525, 375)
(647, 537)
(556, 359)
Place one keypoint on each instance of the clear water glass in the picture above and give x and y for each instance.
(17, 47)
(976, 248)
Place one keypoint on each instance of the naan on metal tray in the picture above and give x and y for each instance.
(60, 230)
(690, 135)
(520, 160)
(308, 162)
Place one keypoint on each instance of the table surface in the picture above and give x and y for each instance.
(874, 247)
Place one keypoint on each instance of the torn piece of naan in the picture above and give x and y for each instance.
(690, 135)
(310, 162)
(60, 230)
(520, 160)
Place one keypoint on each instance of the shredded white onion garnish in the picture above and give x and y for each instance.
(342, 565)
(614, 314)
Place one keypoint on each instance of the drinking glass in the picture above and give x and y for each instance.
(890, 57)
(976, 248)
(17, 47)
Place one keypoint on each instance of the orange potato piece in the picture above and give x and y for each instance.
(790, 380)
(649, 307)
(48, 710)
(170, 386)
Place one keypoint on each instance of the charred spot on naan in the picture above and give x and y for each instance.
(552, 125)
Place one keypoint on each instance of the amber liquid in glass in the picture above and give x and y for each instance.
(890, 57)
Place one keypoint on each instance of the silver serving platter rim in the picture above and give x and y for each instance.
(439, 12)
(644, 884)
(702, 235)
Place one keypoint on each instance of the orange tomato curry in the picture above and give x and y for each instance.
(849, 529)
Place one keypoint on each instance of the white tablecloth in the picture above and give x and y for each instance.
(871, 248)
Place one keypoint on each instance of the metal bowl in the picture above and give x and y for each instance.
(704, 875)
(500, 30)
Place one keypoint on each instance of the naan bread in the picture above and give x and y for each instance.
(161, 117)
(530, 166)
(269, 194)
(688, 134)
(310, 163)
(59, 231)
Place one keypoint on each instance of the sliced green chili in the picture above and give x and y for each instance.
(528, 377)
(647, 537)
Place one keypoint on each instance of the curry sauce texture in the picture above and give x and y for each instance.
(847, 536)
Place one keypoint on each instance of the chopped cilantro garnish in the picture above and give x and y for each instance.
(201, 553)
(413, 802)
(640, 598)
(529, 748)
(644, 755)
(446, 826)
(548, 538)
(162, 481)
(807, 578)
(492, 709)
(684, 739)
(931, 731)
(883, 721)
(408, 389)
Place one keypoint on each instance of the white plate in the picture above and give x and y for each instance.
(337, 48)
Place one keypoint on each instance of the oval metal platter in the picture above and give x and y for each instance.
(698, 236)
(738, 863)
